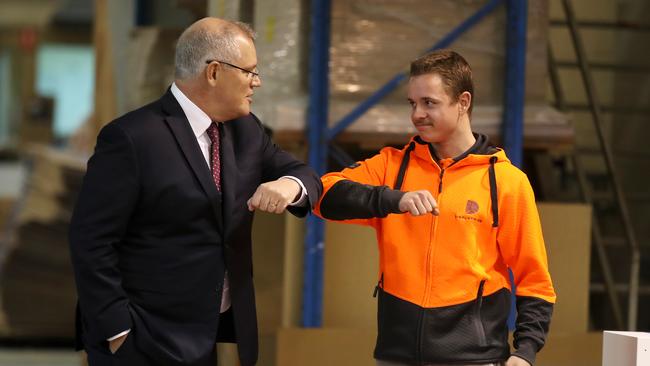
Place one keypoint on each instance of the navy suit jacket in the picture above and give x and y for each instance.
(151, 236)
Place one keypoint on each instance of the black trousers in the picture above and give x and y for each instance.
(127, 355)
(130, 354)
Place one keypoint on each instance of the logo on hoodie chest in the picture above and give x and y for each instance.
(471, 208)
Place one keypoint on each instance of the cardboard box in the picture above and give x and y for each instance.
(325, 347)
(567, 235)
(571, 349)
(350, 275)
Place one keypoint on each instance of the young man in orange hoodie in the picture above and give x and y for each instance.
(452, 214)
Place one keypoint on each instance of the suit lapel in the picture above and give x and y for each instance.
(186, 139)
(228, 175)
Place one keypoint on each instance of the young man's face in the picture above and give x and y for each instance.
(433, 112)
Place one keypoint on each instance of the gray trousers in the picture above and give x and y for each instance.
(390, 363)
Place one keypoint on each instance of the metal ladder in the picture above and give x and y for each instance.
(614, 196)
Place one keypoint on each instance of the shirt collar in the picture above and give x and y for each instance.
(199, 121)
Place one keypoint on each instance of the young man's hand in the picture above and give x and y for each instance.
(418, 203)
(516, 361)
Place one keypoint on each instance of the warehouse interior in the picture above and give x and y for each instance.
(68, 67)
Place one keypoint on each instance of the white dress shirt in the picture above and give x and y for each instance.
(199, 121)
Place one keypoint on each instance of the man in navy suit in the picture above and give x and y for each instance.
(161, 234)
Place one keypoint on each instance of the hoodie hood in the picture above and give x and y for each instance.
(478, 154)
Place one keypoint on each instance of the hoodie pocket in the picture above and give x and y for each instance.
(478, 323)
(380, 285)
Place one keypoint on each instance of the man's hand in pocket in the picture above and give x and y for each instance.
(116, 343)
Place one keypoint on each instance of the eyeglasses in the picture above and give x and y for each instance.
(249, 74)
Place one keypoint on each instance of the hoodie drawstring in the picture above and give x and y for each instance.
(402, 168)
(493, 192)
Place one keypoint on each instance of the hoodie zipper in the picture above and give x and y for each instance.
(434, 234)
(428, 270)
(442, 174)
(429, 265)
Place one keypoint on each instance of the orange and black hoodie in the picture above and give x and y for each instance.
(443, 284)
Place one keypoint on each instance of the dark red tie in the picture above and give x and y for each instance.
(215, 159)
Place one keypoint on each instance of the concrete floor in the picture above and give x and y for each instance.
(40, 357)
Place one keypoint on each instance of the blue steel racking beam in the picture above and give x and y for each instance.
(513, 107)
(513, 101)
(320, 135)
(317, 128)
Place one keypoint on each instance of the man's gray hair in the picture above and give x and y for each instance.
(198, 44)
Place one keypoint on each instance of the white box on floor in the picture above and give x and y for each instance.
(626, 348)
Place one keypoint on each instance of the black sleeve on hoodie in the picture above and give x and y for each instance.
(351, 200)
(533, 321)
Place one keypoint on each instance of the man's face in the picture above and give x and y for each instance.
(433, 112)
(235, 86)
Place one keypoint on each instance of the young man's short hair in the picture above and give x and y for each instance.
(452, 68)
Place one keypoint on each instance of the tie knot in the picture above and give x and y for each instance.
(213, 132)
